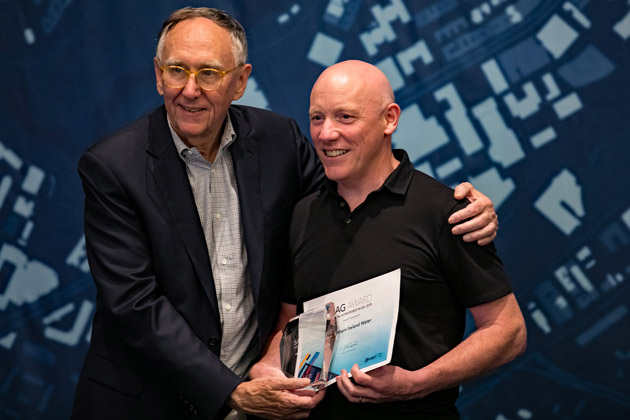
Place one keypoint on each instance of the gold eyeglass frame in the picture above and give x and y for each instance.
(221, 73)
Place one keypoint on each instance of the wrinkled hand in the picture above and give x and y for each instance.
(275, 398)
(387, 383)
(481, 223)
(265, 370)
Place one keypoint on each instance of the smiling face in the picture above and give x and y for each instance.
(352, 117)
(196, 115)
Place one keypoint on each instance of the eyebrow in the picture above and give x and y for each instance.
(341, 109)
(179, 63)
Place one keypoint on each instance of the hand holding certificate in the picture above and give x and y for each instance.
(361, 331)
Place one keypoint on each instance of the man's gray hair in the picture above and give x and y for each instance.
(222, 19)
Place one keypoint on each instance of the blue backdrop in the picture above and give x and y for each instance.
(528, 99)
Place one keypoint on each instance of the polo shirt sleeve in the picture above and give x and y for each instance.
(474, 273)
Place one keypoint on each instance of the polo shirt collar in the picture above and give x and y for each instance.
(397, 182)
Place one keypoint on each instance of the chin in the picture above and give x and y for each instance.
(192, 131)
(334, 175)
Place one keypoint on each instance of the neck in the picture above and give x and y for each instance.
(208, 146)
(209, 149)
(355, 192)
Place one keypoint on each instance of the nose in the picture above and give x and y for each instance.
(328, 131)
(191, 88)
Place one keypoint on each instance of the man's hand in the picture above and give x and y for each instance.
(275, 398)
(270, 394)
(265, 370)
(481, 220)
(387, 383)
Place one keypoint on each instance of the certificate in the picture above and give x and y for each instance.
(366, 315)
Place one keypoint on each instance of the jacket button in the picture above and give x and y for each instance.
(213, 341)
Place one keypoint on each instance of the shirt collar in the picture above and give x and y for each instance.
(227, 138)
(397, 182)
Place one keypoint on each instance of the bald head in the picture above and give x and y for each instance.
(360, 77)
(353, 116)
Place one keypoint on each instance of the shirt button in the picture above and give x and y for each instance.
(342, 204)
(223, 261)
(348, 221)
(213, 171)
(213, 341)
(218, 216)
(228, 306)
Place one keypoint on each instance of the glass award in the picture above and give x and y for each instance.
(307, 345)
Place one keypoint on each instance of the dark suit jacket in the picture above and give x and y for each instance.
(156, 334)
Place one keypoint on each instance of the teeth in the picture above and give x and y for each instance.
(192, 109)
(333, 153)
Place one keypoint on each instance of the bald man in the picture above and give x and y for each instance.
(378, 214)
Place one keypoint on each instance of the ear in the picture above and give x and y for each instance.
(241, 83)
(392, 116)
(158, 77)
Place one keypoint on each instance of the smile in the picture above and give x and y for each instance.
(333, 153)
(191, 109)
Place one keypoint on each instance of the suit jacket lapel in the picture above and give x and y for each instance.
(169, 172)
(247, 170)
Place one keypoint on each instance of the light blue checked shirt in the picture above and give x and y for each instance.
(216, 196)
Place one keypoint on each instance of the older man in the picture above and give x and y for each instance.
(186, 224)
(378, 214)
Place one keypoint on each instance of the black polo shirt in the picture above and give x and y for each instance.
(402, 225)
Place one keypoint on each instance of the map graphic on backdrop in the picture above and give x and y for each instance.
(527, 99)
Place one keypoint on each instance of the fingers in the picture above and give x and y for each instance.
(319, 396)
(287, 383)
(272, 398)
(347, 388)
(471, 210)
(487, 239)
(361, 378)
(314, 397)
(300, 402)
(473, 221)
(304, 392)
(479, 203)
(478, 229)
(261, 394)
(478, 219)
(477, 207)
(476, 223)
(357, 392)
(462, 190)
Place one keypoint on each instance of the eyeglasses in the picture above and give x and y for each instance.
(207, 79)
